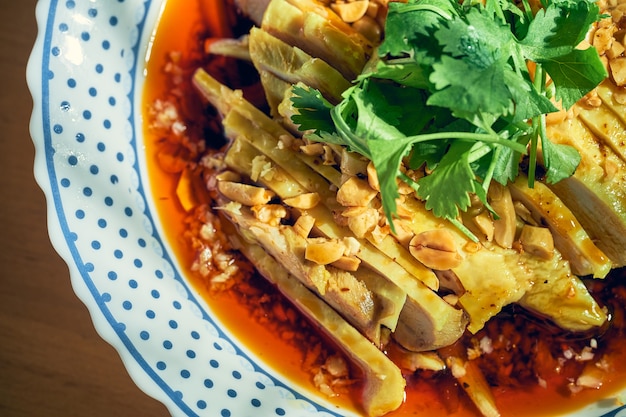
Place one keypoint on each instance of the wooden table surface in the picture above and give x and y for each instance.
(52, 361)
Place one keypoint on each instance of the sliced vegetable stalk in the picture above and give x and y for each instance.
(291, 64)
(341, 289)
(383, 385)
(240, 157)
(427, 321)
(319, 32)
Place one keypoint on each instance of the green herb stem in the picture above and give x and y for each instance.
(462, 66)
(497, 7)
(487, 138)
(540, 85)
(425, 7)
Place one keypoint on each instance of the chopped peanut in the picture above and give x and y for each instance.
(372, 177)
(352, 11)
(261, 167)
(304, 224)
(618, 70)
(403, 232)
(355, 192)
(324, 251)
(363, 222)
(312, 149)
(379, 233)
(353, 164)
(228, 176)
(347, 263)
(248, 195)
(352, 246)
(603, 37)
(329, 156)
(303, 201)
(435, 249)
(616, 50)
(271, 214)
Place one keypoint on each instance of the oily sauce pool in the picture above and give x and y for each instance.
(522, 347)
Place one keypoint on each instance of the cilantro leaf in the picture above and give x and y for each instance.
(474, 67)
(506, 165)
(475, 37)
(428, 154)
(558, 155)
(552, 40)
(528, 101)
(386, 156)
(559, 28)
(449, 89)
(469, 90)
(406, 72)
(575, 74)
(313, 110)
(454, 173)
(412, 23)
(386, 144)
(371, 123)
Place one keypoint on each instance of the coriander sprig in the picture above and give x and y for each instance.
(450, 88)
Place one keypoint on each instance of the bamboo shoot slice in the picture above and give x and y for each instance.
(293, 65)
(299, 166)
(275, 90)
(340, 289)
(309, 29)
(471, 379)
(383, 387)
(419, 331)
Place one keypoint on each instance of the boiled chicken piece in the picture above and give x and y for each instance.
(340, 289)
(565, 300)
(595, 193)
(569, 236)
(491, 276)
(425, 321)
(383, 383)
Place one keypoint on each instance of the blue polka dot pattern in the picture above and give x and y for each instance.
(86, 77)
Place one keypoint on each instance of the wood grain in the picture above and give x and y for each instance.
(52, 361)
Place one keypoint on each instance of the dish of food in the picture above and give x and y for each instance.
(91, 126)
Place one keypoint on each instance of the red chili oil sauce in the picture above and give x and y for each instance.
(183, 28)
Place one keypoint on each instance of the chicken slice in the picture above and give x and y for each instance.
(595, 193)
(569, 236)
(383, 383)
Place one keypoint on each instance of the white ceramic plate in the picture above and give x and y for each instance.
(85, 75)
